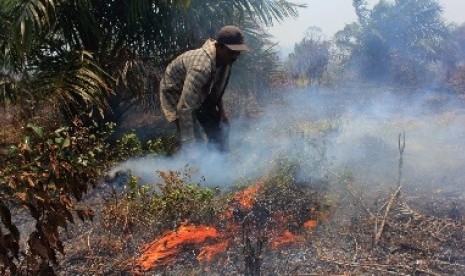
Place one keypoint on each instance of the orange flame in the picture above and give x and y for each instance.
(285, 238)
(311, 224)
(247, 197)
(243, 199)
(162, 251)
(209, 251)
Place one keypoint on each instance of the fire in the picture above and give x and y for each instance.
(286, 238)
(209, 241)
(311, 224)
(246, 198)
(209, 251)
(243, 200)
(163, 251)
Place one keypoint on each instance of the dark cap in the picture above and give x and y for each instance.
(232, 37)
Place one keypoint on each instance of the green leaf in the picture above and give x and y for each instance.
(27, 140)
(38, 130)
(66, 143)
(62, 129)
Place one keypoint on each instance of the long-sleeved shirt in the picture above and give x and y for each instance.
(187, 82)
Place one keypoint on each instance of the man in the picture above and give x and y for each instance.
(193, 85)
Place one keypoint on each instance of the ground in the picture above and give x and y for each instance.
(386, 212)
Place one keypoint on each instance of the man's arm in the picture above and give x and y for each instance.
(191, 98)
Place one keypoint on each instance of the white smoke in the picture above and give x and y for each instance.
(353, 129)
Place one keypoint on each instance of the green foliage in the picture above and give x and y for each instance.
(80, 52)
(128, 146)
(179, 200)
(162, 145)
(173, 201)
(46, 175)
(155, 147)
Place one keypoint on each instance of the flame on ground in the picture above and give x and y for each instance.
(311, 224)
(246, 198)
(286, 238)
(163, 251)
(208, 252)
(243, 199)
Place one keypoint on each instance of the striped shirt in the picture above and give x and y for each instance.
(188, 80)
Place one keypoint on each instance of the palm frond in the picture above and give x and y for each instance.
(31, 18)
(73, 78)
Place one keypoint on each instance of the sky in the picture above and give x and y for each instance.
(332, 15)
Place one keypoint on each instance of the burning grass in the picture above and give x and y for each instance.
(163, 251)
(274, 211)
(277, 226)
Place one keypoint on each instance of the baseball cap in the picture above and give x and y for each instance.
(232, 37)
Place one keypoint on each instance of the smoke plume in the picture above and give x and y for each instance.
(327, 132)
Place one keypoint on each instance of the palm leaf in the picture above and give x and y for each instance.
(31, 18)
(72, 79)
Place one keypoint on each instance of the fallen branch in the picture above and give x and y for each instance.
(394, 196)
(386, 213)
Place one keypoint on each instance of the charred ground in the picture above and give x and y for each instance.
(381, 213)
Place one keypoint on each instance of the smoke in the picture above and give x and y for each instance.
(432, 123)
(330, 131)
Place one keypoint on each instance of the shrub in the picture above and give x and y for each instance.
(128, 146)
(46, 174)
(174, 200)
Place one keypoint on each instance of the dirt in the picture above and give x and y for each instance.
(414, 241)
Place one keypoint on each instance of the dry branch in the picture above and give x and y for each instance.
(386, 213)
(395, 195)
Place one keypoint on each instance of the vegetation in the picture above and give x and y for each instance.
(81, 55)
(310, 58)
(66, 64)
(44, 176)
(174, 200)
(402, 42)
(70, 69)
(143, 214)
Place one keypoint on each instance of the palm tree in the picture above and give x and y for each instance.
(310, 57)
(79, 52)
(76, 55)
(399, 35)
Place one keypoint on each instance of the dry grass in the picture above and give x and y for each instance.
(413, 242)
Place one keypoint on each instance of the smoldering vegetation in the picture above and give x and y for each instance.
(381, 216)
(330, 131)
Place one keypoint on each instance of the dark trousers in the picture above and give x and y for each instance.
(209, 118)
(217, 132)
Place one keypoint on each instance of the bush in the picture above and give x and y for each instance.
(128, 146)
(174, 200)
(46, 174)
